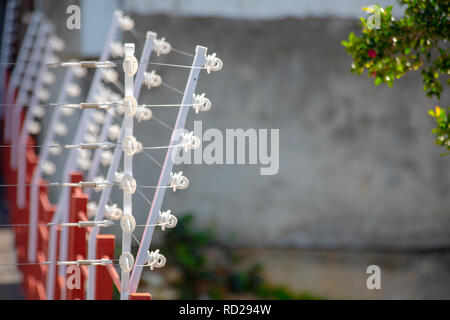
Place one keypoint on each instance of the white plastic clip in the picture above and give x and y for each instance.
(73, 90)
(129, 145)
(34, 127)
(106, 158)
(189, 141)
(126, 23)
(130, 106)
(156, 259)
(48, 167)
(113, 212)
(117, 49)
(128, 184)
(178, 181)
(39, 111)
(126, 262)
(44, 94)
(161, 47)
(127, 223)
(114, 132)
(143, 114)
(91, 209)
(201, 103)
(167, 220)
(213, 63)
(152, 80)
(60, 129)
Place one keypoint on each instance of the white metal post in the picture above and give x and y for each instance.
(199, 61)
(62, 206)
(7, 39)
(34, 101)
(37, 174)
(23, 96)
(92, 245)
(127, 165)
(19, 67)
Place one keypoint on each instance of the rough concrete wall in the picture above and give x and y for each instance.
(358, 167)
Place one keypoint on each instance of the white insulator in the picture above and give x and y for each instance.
(178, 181)
(127, 223)
(90, 138)
(60, 129)
(73, 90)
(84, 163)
(189, 141)
(92, 209)
(98, 116)
(126, 262)
(201, 103)
(84, 153)
(126, 23)
(113, 212)
(115, 97)
(167, 220)
(55, 150)
(156, 259)
(117, 49)
(130, 105)
(48, 78)
(49, 168)
(143, 114)
(213, 63)
(79, 72)
(114, 132)
(38, 111)
(106, 158)
(44, 94)
(129, 145)
(57, 43)
(161, 47)
(152, 80)
(93, 128)
(118, 175)
(34, 127)
(67, 112)
(110, 75)
(128, 184)
(120, 109)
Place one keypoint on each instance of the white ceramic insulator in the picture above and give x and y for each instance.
(44, 94)
(49, 168)
(93, 128)
(91, 209)
(49, 78)
(126, 23)
(57, 43)
(128, 184)
(60, 129)
(90, 138)
(67, 112)
(118, 175)
(156, 259)
(106, 157)
(113, 212)
(110, 75)
(38, 111)
(143, 114)
(73, 90)
(55, 151)
(129, 145)
(117, 49)
(84, 163)
(152, 80)
(34, 127)
(98, 116)
(114, 132)
(126, 262)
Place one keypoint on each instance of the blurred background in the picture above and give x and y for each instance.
(360, 181)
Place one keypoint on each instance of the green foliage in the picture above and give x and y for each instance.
(201, 276)
(415, 41)
(442, 130)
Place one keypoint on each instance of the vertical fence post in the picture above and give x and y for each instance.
(103, 282)
(130, 66)
(199, 61)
